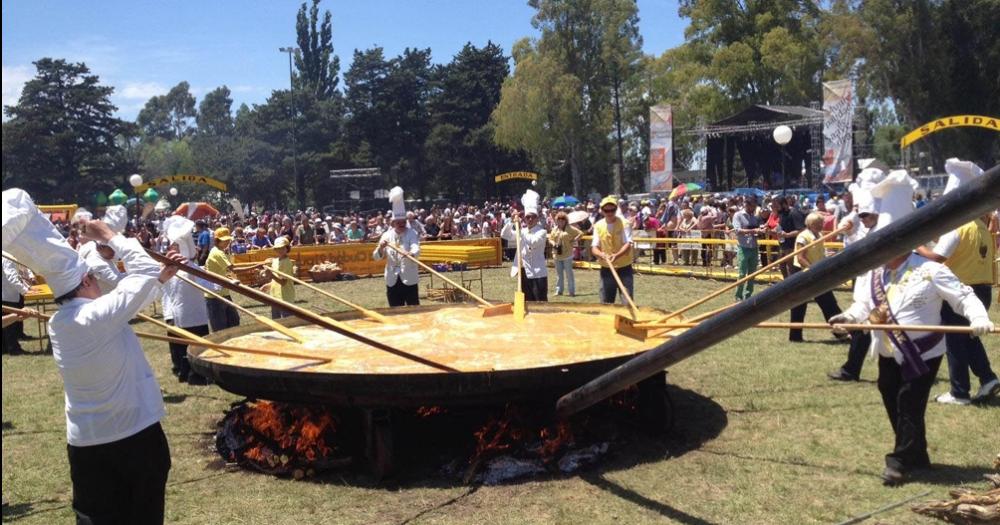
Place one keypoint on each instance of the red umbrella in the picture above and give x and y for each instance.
(196, 210)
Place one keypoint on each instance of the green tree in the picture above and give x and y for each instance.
(169, 116)
(215, 114)
(62, 140)
(317, 66)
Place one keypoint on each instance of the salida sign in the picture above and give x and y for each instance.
(191, 179)
(950, 122)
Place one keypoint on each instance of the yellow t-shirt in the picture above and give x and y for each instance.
(972, 260)
(563, 242)
(611, 240)
(815, 254)
(218, 263)
(285, 292)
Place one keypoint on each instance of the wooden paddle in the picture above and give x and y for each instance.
(490, 308)
(746, 278)
(187, 339)
(639, 331)
(270, 323)
(371, 314)
(301, 313)
(520, 308)
(624, 291)
(222, 349)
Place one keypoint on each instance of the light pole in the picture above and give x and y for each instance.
(136, 180)
(783, 135)
(299, 190)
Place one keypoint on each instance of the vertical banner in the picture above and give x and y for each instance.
(838, 116)
(661, 138)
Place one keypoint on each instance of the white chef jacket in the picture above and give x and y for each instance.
(13, 285)
(185, 304)
(533, 243)
(924, 284)
(397, 266)
(105, 271)
(111, 391)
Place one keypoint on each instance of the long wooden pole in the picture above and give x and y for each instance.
(175, 329)
(468, 292)
(944, 214)
(825, 326)
(621, 288)
(270, 323)
(232, 348)
(746, 278)
(301, 313)
(371, 314)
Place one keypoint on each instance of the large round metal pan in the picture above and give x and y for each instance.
(558, 347)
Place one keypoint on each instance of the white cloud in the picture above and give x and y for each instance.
(142, 90)
(14, 78)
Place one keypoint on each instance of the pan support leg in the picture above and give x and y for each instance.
(379, 441)
(656, 410)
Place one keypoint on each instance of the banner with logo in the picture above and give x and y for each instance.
(511, 175)
(838, 116)
(950, 122)
(661, 143)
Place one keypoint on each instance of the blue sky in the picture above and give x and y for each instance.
(142, 48)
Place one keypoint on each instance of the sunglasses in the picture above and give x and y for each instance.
(609, 210)
(865, 215)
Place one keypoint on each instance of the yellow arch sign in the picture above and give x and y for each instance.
(527, 175)
(191, 179)
(950, 122)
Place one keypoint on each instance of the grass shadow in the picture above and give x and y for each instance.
(19, 511)
(630, 495)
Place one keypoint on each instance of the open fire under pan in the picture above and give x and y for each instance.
(497, 360)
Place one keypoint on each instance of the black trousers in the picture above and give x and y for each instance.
(178, 353)
(400, 294)
(536, 289)
(15, 331)
(827, 303)
(123, 481)
(221, 315)
(906, 404)
(860, 343)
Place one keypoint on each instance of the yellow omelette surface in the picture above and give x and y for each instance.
(457, 337)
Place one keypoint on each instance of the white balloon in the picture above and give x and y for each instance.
(782, 135)
(135, 180)
(173, 191)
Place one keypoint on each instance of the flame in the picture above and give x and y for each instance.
(554, 440)
(430, 411)
(295, 431)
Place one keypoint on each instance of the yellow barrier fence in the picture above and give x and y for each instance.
(356, 258)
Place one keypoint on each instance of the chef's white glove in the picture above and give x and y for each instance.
(981, 326)
(843, 318)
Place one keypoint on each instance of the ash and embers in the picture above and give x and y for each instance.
(485, 445)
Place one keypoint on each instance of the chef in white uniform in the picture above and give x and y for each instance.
(401, 274)
(535, 272)
(908, 290)
(861, 220)
(183, 304)
(118, 453)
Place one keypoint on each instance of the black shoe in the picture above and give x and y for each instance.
(15, 351)
(196, 380)
(841, 375)
(796, 340)
(892, 477)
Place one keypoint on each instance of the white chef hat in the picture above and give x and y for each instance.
(178, 230)
(116, 217)
(894, 197)
(81, 215)
(862, 198)
(530, 202)
(33, 240)
(869, 177)
(398, 205)
(959, 172)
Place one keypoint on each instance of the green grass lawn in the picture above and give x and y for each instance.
(761, 436)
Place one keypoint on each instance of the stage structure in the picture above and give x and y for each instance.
(358, 188)
(749, 133)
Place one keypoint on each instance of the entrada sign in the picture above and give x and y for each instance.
(950, 122)
(526, 175)
(191, 179)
